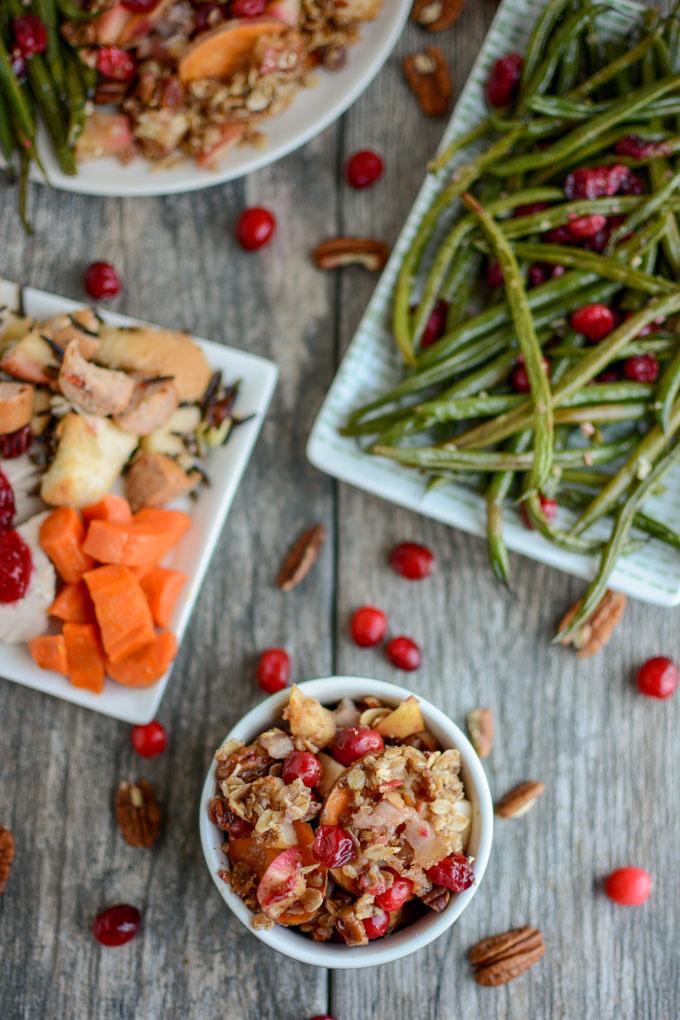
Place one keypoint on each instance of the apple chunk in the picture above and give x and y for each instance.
(403, 721)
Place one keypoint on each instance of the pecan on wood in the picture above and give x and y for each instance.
(351, 251)
(480, 728)
(436, 15)
(138, 813)
(7, 852)
(301, 557)
(594, 633)
(501, 958)
(520, 799)
(427, 75)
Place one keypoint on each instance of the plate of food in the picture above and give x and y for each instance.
(165, 96)
(122, 446)
(516, 372)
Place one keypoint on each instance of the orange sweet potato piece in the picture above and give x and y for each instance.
(146, 666)
(224, 50)
(162, 587)
(85, 656)
(49, 652)
(145, 541)
(122, 611)
(73, 604)
(61, 536)
(110, 508)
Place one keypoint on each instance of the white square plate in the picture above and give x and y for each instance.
(225, 467)
(371, 366)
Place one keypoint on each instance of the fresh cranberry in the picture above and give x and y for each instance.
(368, 626)
(30, 36)
(598, 241)
(117, 925)
(557, 271)
(519, 380)
(354, 743)
(333, 846)
(638, 148)
(537, 274)
(116, 63)
(658, 677)
(650, 327)
(494, 274)
(397, 894)
(255, 228)
(628, 886)
(13, 444)
(302, 765)
(549, 508)
(593, 321)
(363, 168)
(376, 925)
(273, 670)
(586, 226)
(7, 503)
(412, 560)
(102, 281)
(531, 209)
(632, 185)
(559, 235)
(503, 82)
(403, 653)
(322, 1016)
(453, 873)
(436, 324)
(247, 8)
(149, 740)
(596, 181)
(642, 368)
(139, 6)
(16, 567)
(610, 374)
(208, 15)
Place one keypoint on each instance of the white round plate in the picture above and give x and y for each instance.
(311, 111)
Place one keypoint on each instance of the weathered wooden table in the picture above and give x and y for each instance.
(609, 757)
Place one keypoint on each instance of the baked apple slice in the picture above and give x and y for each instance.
(225, 49)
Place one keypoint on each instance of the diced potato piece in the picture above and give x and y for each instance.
(309, 721)
(90, 457)
(331, 770)
(157, 352)
(403, 721)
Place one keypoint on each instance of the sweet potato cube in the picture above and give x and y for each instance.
(73, 604)
(162, 587)
(49, 652)
(85, 656)
(61, 536)
(110, 508)
(146, 666)
(122, 611)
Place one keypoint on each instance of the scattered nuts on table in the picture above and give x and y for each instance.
(520, 799)
(7, 852)
(301, 557)
(427, 75)
(138, 813)
(481, 730)
(351, 251)
(595, 632)
(501, 958)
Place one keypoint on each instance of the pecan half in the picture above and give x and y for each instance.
(7, 852)
(138, 813)
(480, 728)
(437, 898)
(595, 632)
(436, 15)
(501, 958)
(301, 557)
(351, 251)
(520, 799)
(427, 75)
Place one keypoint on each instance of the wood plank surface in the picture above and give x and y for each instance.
(608, 757)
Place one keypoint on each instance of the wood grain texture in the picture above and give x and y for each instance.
(607, 756)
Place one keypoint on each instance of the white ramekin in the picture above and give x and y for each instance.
(427, 928)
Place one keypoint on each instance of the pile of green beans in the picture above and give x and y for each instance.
(58, 85)
(600, 448)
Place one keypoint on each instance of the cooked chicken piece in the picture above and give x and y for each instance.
(357, 10)
(96, 390)
(25, 619)
(29, 358)
(154, 479)
(16, 406)
(151, 407)
(157, 352)
(13, 326)
(83, 325)
(91, 455)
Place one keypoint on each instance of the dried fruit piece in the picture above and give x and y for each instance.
(501, 958)
(7, 853)
(595, 632)
(351, 251)
(520, 799)
(480, 728)
(138, 813)
(437, 15)
(427, 75)
(301, 558)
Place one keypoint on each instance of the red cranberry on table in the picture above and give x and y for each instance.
(149, 740)
(333, 846)
(368, 626)
(255, 228)
(102, 281)
(436, 324)
(30, 35)
(7, 502)
(453, 873)
(16, 567)
(117, 925)
(628, 886)
(363, 168)
(658, 677)
(403, 653)
(503, 81)
(642, 368)
(594, 321)
(273, 670)
(396, 896)
(354, 743)
(412, 560)
(116, 63)
(302, 765)
(247, 8)
(376, 925)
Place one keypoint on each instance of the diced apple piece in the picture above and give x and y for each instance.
(331, 770)
(29, 358)
(357, 10)
(309, 721)
(287, 11)
(90, 457)
(106, 134)
(403, 721)
(139, 25)
(109, 25)
(231, 135)
(225, 49)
